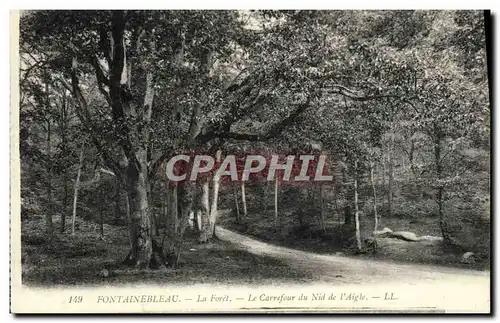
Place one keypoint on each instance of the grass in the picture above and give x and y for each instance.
(64, 259)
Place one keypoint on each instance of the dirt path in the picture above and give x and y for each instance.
(349, 270)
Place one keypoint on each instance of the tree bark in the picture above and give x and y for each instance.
(214, 212)
(48, 216)
(243, 199)
(171, 218)
(65, 203)
(265, 196)
(165, 205)
(154, 217)
(322, 208)
(236, 203)
(101, 212)
(443, 224)
(139, 220)
(131, 108)
(206, 228)
(49, 226)
(132, 113)
(384, 168)
(197, 220)
(174, 209)
(372, 180)
(390, 194)
(64, 144)
(76, 188)
(185, 204)
(347, 214)
(117, 200)
(276, 200)
(348, 201)
(411, 157)
(356, 207)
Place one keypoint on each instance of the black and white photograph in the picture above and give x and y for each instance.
(251, 161)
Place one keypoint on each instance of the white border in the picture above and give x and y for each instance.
(261, 4)
(99, 4)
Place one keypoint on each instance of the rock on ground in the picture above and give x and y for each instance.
(385, 233)
(405, 235)
(468, 258)
(430, 238)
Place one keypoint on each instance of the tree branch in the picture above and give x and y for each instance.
(84, 115)
(101, 78)
(275, 131)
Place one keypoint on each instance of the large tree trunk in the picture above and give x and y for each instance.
(76, 188)
(139, 220)
(185, 207)
(154, 217)
(131, 99)
(171, 217)
(356, 207)
(442, 216)
(117, 200)
(131, 104)
(140, 229)
(214, 212)
(204, 207)
(443, 224)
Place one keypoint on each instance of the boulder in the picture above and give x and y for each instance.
(430, 238)
(468, 258)
(405, 235)
(385, 233)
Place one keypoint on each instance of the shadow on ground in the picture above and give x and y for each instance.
(64, 259)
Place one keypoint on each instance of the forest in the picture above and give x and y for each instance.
(397, 101)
